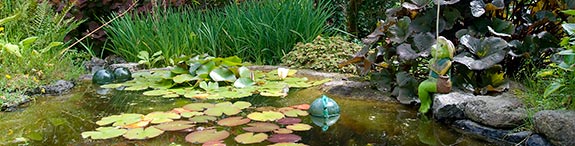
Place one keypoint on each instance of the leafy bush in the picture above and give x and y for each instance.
(322, 54)
(258, 31)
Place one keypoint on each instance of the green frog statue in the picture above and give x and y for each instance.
(439, 65)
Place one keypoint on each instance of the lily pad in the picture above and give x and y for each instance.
(277, 138)
(156, 92)
(261, 127)
(202, 119)
(183, 78)
(104, 133)
(295, 113)
(214, 143)
(233, 121)
(206, 136)
(299, 127)
(265, 116)
(190, 114)
(244, 82)
(141, 133)
(222, 74)
(242, 104)
(162, 117)
(175, 125)
(222, 108)
(283, 131)
(198, 106)
(250, 138)
(111, 86)
(288, 144)
(137, 88)
(301, 106)
(120, 120)
(288, 121)
(139, 124)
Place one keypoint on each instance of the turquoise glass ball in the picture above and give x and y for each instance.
(324, 107)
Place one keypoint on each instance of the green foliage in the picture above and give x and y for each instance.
(258, 31)
(322, 54)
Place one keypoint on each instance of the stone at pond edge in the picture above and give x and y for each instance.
(498, 136)
(103, 77)
(502, 111)
(355, 90)
(122, 74)
(449, 107)
(537, 140)
(557, 125)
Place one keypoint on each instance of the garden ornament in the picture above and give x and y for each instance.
(326, 110)
(439, 65)
(122, 74)
(102, 77)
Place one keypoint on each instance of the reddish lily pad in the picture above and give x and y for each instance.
(233, 121)
(198, 106)
(261, 127)
(104, 133)
(141, 133)
(299, 127)
(295, 113)
(265, 116)
(277, 138)
(175, 125)
(179, 110)
(202, 119)
(283, 131)
(120, 120)
(288, 144)
(162, 117)
(250, 138)
(301, 106)
(288, 121)
(206, 136)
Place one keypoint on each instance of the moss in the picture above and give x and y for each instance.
(323, 54)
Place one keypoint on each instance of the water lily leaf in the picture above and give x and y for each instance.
(244, 72)
(202, 119)
(163, 84)
(171, 95)
(222, 74)
(287, 144)
(477, 8)
(244, 82)
(283, 131)
(175, 125)
(193, 94)
(162, 117)
(265, 116)
(222, 108)
(232, 61)
(278, 138)
(242, 104)
(406, 53)
(289, 121)
(179, 70)
(141, 133)
(297, 82)
(211, 86)
(214, 143)
(137, 88)
(190, 114)
(198, 106)
(139, 124)
(250, 138)
(156, 92)
(261, 127)
(299, 127)
(301, 106)
(233, 121)
(104, 133)
(400, 31)
(120, 120)
(206, 136)
(111, 86)
(295, 113)
(230, 92)
(183, 78)
(206, 68)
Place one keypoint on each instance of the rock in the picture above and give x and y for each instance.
(58, 88)
(114, 59)
(503, 111)
(94, 64)
(537, 140)
(449, 107)
(133, 67)
(355, 90)
(498, 136)
(557, 125)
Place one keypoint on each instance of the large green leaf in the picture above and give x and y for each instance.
(222, 108)
(400, 31)
(553, 87)
(120, 120)
(206, 136)
(222, 74)
(141, 133)
(244, 82)
(104, 133)
(250, 138)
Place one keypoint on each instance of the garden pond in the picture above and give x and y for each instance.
(60, 120)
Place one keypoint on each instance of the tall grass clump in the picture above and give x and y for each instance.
(257, 31)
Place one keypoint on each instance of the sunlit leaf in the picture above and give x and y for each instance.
(278, 138)
(244, 82)
(140, 124)
(233, 121)
(202, 119)
(222, 74)
(299, 127)
(120, 120)
(288, 121)
(206, 136)
(283, 131)
(162, 117)
(198, 106)
(104, 133)
(111, 86)
(175, 125)
(250, 138)
(232, 61)
(261, 127)
(295, 113)
(265, 116)
(553, 87)
(183, 78)
(141, 133)
(477, 8)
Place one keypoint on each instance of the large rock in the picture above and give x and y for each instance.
(498, 136)
(503, 111)
(449, 107)
(58, 88)
(537, 140)
(557, 125)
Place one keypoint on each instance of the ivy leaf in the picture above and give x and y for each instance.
(104, 133)
(141, 133)
(251, 138)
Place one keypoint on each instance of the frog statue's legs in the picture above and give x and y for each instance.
(424, 92)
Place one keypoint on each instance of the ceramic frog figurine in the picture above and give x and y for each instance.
(438, 82)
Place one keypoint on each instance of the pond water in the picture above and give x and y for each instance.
(59, 120)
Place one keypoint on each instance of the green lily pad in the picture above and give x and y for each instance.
(232, 61)
(188, 114)
(233, 121)
(206, 136)
(175, 125)
(141, 133)
(244, 72)
(171, 95)
(104, 133)
(250, 138)
(137, 88)
(179, 70)
(183, 78)
(120, 120)
(192, 93)
(295, 113)
(202, 119)
(198, 106)
(222, 74)
(319, 82)
(283, 131)
(261, 127)
(223, 108)
(265, 116)
(156, 92)
(287, 144)
(297, 82)
(162, 117)
(299, 127)
(211, 86)
(111, 86)
(242, 104)
(244, 82)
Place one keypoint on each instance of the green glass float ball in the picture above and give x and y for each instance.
(324, 107)
(122, 74)
(102, 77)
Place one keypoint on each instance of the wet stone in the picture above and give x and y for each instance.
(498, 136)
(557, 125)
(537, 140)
(450, 107)
(502, 111)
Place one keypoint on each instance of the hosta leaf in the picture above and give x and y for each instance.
(183, 78)
(162, 117)
(104, 133)
(141, 133)
(265, 116)
(175, 125)
(261, 127)
(206, 136)
(233, 121)
(277, 138)
(299, 127)
(202, 119)
(400, 31)
(120, 120)
(222, 74)
(198, 106)
(250, 138)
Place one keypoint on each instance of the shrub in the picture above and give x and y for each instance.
(322, 54)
